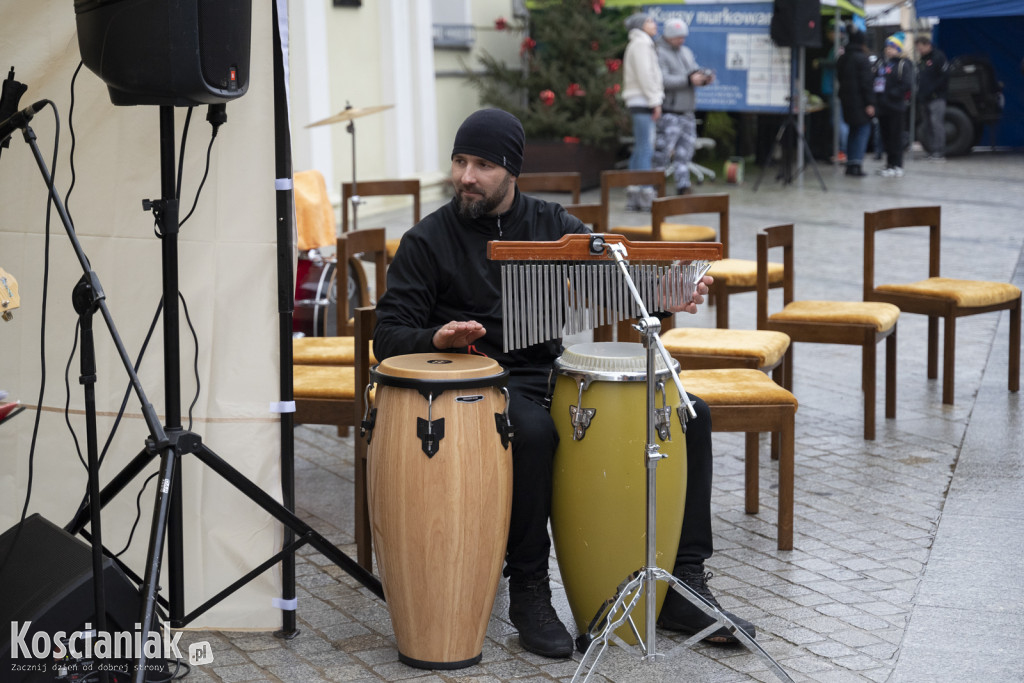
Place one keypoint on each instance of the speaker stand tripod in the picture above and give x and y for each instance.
(791, 131)
(170, 442)
(644, 580)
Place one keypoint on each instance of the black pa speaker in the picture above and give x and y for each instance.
(46, 580)
(167, 52)
(796, 23)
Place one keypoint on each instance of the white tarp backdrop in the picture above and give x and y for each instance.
(227, 277)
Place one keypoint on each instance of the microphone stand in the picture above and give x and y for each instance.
(171, 442)
(644, 581)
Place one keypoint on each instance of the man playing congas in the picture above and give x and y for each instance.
(444, 294)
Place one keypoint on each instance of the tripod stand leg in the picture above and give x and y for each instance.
(161, 510)
(283, 515)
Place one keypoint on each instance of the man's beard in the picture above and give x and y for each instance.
(473, 209)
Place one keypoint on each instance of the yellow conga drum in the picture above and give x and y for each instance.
(599, 499)
(440, 498)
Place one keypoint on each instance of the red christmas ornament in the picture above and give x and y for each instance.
(574, 90)
(613, 65)
(500, 24)
(527, 46)
(547, 97)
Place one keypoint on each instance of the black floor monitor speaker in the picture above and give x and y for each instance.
(46, 579)
(167, 52)
(796, 23)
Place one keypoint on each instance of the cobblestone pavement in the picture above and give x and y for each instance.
(907, 548)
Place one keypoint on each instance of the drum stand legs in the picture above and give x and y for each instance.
(644, 580)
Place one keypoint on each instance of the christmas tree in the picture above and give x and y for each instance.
(567, 86)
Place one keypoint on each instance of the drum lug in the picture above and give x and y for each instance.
(369, 415)
(663, 423)
(503, 422)
(663, 416)
(430, 432)
(581, 416)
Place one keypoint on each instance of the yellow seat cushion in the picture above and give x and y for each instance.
(966, 293)
(392, 246)
(737, 272)
(766, 346)
(670, 232)
(882, 316)
(735, 387)
(325, 351)
(324, 381)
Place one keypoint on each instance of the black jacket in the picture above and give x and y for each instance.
(893, 81)
(441, 273)
(853, 70)
(932, 76)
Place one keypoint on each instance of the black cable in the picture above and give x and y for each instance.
(67, 395)
(138, 514)
(71, 131)
(181, 152)
(206, 172)
(195, 358)
(42, 340)
(124, 401)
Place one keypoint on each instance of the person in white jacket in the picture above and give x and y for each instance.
(643, 94)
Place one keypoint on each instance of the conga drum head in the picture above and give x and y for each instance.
(599, 501)
(440, 498)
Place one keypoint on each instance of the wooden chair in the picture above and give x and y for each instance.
(591, 214)
(732, 276)
(625, 178)
(857, 323)
(745, 400)
(382, 188)
(568, 181)
(353, 246)
(939, 297)
(655, 230)
(366, 320)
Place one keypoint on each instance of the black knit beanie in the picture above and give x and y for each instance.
(494, 135)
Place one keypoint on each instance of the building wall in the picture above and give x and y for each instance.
(383, 53)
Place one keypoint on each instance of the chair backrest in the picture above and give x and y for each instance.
(667, 207)
(353, 248)
(907, 217)
(567, 181)
(591, 214)
(380, 188)
(625, 178)
(770, 238)
(314, 215)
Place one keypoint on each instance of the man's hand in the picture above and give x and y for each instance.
(698, 296)
(458, 334)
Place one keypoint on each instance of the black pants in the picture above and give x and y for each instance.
(533, 453)
(891, 124)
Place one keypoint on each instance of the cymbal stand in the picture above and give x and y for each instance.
(644, 580)
(355, 198)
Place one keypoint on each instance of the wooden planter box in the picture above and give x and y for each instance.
(546, 156)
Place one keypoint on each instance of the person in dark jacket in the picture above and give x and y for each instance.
(932, 86)
(857, 98)
(444, 294)
(894, 78)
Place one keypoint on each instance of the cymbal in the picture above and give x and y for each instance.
(349, 113)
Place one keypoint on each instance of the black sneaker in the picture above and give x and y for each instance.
(679, 614)
(540, 630)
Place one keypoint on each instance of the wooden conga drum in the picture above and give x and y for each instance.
(599, 500)
(440, 498)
